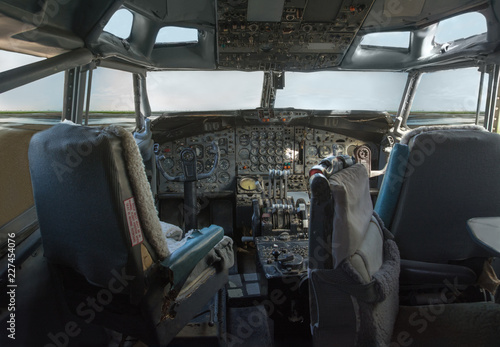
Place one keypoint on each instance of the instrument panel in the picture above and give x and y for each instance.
(251, 151)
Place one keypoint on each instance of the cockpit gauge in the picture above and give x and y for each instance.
(262, 159)
(199, 167)
(254, 159)
(224, 164)
(198, 149)
(338, 149)
(210, 151)
(279, 150)
(262, 151)
(212, 178)
(270, 160)
(324, 151)
(255, 143)
(271, 135)
(263, 143)
(244, 140)
(255, 135)
(224, 177)
(248, 183)
(209, 163)
(279, 143)
(168, 163)
(270, 151)
(311, 151)
(254, 151)
(262, 167)
(244, 153)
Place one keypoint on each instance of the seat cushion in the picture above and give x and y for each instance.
(220, 257)
(461, 324)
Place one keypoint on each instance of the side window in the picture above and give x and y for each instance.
(35, 96)
(177, 35)
(120, 23)
(460, 27)
(397, 39)
(448, 97)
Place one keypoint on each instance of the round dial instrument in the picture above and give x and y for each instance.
(244, 153)
(224, 164)
(244, 140)
(224, 177)
(324, 151)
(312, 151)
(168, 163)
(248, 183)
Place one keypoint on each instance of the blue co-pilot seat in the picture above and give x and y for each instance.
(437, 179)
(353, 264)
(354, 284)
(101, 234)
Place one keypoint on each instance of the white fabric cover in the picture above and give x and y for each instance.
(353, 211)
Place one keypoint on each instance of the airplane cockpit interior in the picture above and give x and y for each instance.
(249, 173)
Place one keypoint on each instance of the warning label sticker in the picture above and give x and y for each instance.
(134, 225)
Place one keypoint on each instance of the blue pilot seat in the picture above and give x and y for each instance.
(102, 236)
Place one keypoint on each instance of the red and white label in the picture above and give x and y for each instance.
(134, 226)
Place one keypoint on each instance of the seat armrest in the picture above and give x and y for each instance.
(423, 273)
(180, 263)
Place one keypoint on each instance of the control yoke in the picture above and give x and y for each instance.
(189, 177)
(188, 158)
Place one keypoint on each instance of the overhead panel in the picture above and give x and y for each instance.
(287, 35)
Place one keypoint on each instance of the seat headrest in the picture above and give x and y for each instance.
(88, 184)
(353, 211)
(410, 135)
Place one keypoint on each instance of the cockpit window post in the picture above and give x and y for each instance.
(141, 101)
(272, 80)
(92, 67)
(491, 114)
(75, 81)
(480, 93)
(407, 100)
